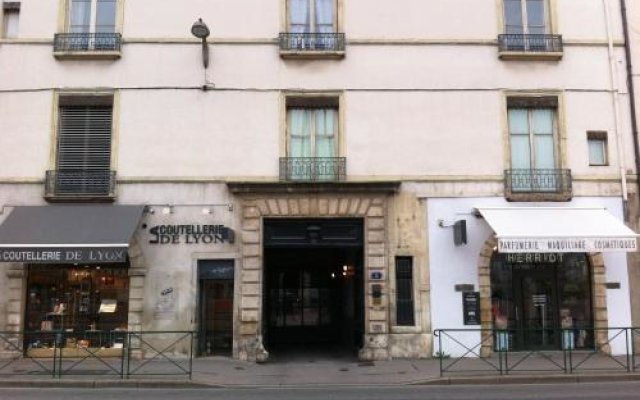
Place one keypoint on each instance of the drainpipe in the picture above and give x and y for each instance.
(613, 74)
(632, 92)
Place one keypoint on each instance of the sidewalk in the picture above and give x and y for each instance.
(301, 370)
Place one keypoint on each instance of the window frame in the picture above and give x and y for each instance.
(549, 6)
(64, 16)
(337, 24)
(602, 138)
(411, 322)
(10, 8)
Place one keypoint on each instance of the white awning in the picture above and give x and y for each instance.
(558, 230)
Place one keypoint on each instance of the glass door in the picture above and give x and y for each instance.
(536, 307)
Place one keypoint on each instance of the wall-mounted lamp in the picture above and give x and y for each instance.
(459, 230)
(200, 30)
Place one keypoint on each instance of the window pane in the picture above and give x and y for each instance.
(535, 16)
(544, 152)
(520, 152)
(325, 132)
(300, 131)
(324, 16)
(513, 16)
(299, 16)
(10, 23)
(404, 291)
(80, 16)
(106, 16)
(542, 121)
(597, 152)
(518, 121)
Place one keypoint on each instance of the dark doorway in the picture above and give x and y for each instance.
(534, 296)
(215, 336)
(314, 286)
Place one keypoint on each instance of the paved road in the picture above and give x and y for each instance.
(585, 391)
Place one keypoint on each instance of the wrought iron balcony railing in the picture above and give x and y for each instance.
(313, 169)
(89, 42)
(333, 42)
(80, 183)
(530, 43)
(553, 183)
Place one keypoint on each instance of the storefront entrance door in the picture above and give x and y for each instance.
(536, 307)
(215, 336)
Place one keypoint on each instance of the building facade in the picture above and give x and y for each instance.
(308, 172)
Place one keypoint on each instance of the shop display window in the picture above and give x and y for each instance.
(88, 304)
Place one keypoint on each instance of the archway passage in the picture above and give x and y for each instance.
(313, 287)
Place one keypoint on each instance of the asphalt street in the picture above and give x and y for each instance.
(584, 391)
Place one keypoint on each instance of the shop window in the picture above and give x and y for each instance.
(88, 303)
(10, 18)
(83, 152)
(404, 292)
(598, 148)
(312, 141)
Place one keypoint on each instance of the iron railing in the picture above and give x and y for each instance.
(80, 183)
(313, 169)
(540, 181)
(530, 43)
(312, 41)
(121, 354)
(568, 351)
(79, 42)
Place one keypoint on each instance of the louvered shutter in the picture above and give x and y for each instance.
(84, 148)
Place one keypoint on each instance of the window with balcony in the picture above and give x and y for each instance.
(312, 29)
(527, 31)
(534, 146)
(90, 28)
(83, 150)
(312, 141)
(10, 18)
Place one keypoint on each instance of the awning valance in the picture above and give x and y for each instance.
(558, 230)
(68, 233)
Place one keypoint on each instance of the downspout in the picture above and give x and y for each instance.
(632, 92)
(613, 74)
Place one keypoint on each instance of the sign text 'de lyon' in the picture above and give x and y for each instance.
(53, 255)
(567, 245)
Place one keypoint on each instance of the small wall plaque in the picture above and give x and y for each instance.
(464, 287)
(612, 285)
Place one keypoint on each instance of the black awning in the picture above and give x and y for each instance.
(68, 233)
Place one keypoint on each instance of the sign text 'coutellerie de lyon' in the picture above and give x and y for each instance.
(191, 234)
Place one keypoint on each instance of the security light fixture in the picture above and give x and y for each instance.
(200, 30)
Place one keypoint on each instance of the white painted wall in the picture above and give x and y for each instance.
(450, 265)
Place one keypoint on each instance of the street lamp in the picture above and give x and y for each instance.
(200, 30)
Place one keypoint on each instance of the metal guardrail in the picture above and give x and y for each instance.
(80, 42)
(538, 181)
(79, 183)
(460, 351)
(313, 169)
(312, 41)
(530, 43)
(121, 354)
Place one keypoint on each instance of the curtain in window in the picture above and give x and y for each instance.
(106, 16)
(324, 16)
(299, 16)
(300, 132)
(542, 130)
(520, 145)
(536, 17)
(513, 17)
(325, 132)
(80, 16)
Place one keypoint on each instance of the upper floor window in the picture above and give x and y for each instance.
(312, 140)
(597, 141)
(527, 30)
(92, 16)
(83, 148)
(312, 16)
(526, 17)
(10, 18)
(90, 29)
(534, 144)
(312, 28)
